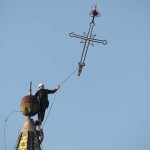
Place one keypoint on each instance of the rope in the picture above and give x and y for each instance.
(5, 127)
(68, 77)
(50, 109)
(56, 95)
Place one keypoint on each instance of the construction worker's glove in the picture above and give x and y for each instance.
(58, 87)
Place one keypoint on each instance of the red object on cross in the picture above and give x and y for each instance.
(94, 12)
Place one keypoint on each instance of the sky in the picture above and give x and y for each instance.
(107, 107)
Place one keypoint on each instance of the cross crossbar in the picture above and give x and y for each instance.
(104, 42)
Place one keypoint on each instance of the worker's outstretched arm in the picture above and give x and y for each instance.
(53, 91)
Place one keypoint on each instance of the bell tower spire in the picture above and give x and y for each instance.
(30, 138)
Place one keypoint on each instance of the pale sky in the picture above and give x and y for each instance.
(107, 107)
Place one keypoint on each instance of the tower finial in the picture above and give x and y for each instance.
(30, 91)
(88, 39)
(94, 13)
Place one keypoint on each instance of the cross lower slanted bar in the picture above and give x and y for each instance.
(87, 39)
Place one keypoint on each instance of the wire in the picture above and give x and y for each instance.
(68, 77)
(5, 127)
(50, 109)
(56, 95)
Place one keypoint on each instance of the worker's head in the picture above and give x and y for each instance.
(41, 85)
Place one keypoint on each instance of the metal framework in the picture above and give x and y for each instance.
(88, 39)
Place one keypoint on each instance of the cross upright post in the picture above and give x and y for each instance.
(88, 39)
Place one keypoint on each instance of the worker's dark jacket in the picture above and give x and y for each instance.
(42, 96)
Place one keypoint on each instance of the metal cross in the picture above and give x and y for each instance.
(88, 39)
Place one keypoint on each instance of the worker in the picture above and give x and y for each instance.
(42, 95)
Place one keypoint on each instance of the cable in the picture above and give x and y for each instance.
(5, 127)
(56, 94)
(68, 77)
(50, 109)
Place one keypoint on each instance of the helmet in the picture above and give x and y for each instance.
(41, 84)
